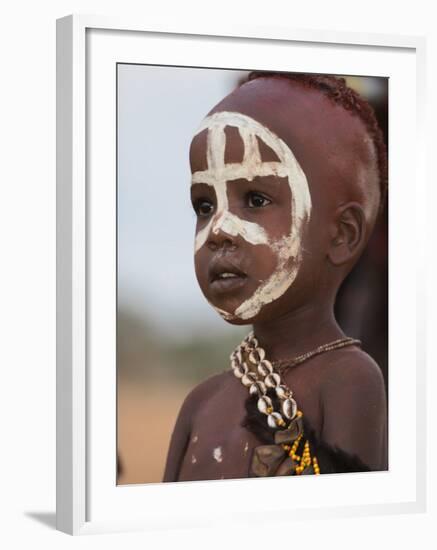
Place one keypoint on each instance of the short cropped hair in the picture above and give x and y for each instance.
(336, 89)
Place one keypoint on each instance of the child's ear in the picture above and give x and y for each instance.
(348, 233)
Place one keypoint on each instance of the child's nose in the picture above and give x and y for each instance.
(222, 233)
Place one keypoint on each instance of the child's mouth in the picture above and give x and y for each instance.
(225, 276)
(228, 281)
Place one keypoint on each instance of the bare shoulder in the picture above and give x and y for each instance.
(202, 392)
(354, 407)
(351, 369)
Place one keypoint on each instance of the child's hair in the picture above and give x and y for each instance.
(336, 89)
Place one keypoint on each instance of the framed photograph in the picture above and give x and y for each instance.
(184, 156)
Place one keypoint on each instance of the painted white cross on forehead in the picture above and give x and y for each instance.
(219, 173)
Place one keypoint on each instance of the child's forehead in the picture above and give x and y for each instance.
(304, 118)
(234, 138)
(328, 141)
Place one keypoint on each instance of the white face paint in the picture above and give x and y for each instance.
(218, 174)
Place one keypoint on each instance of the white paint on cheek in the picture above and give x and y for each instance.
(276, 285)
(225, 314)
(287, 249)
(217, 454)
(246, 447)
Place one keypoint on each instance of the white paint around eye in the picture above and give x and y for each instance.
(219, 175)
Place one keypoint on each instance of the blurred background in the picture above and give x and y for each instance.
(168, 337)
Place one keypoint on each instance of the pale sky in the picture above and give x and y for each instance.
(159, 110)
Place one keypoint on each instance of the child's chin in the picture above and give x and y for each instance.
(237, 321)
(228, 315)
(266, 314)
(231, 318)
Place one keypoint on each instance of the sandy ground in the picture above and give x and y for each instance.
(146, 417)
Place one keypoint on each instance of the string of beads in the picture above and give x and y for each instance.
(250, 365)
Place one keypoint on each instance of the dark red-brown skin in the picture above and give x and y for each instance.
(341, 393)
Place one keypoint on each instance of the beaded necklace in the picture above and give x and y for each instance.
(291, 454)
(285, 364)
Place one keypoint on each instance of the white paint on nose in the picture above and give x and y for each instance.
(232, 225)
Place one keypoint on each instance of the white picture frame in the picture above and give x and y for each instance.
(88, 500)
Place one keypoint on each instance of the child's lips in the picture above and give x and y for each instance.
(227, 284)
(225, 275)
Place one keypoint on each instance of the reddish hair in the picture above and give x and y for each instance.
(336, 89)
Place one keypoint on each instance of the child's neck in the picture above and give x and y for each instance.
(298, 331)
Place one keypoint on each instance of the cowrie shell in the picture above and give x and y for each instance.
(274, 420)
(240, 370)
(264, 403)
(258, 388)
(283, 392)
(272, 380)
(248, 379)
(289, 408)
(265, 367)
(257, 355)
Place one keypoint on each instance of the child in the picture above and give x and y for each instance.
(288, 177)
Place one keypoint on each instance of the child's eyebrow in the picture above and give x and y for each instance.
(261, 180)
(200, 184)
(271, 178)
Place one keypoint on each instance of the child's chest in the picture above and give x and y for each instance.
(220, 447)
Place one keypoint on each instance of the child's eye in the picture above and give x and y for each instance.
(256, 200)
(203, 207)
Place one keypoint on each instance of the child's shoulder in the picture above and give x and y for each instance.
(352, 372)
(353, 405)
(352, 364)
(205, 390)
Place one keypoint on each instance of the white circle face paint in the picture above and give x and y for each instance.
(218, 174)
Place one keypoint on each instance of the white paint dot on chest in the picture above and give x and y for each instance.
(195, 438)
(217, 454)
(193, 459)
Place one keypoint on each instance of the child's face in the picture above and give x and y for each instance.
(252, 202)
(262, 237)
